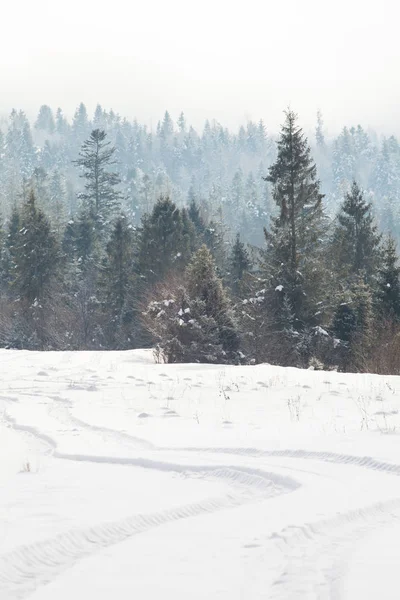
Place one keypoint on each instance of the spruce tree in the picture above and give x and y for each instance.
(45, 120)
(192, 320)
(197, 218)
(292, 261)
(353, 323)
(239, 265)
(101, 197)
(388, 284)
(36, 254)
(117, 286)
(356, 239)
(165, 241)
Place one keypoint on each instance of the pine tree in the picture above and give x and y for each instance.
(294, 245)
(61, 123)
(45, 120)
(36, 254)
(101, 197)
(117, 286)
(197, 219)
(215, 242)
(80, 123)
(182, 123)
(164, 242)
(388, 291)
(356, 240)
(193, 321)
(239, 264)
(353, 325)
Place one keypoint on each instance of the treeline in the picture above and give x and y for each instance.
(222, 170)
(320, 291)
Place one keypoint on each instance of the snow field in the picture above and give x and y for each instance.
(119, 477)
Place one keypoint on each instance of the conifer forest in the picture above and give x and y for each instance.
(211, 246)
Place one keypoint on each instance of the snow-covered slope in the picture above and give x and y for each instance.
(124, 479)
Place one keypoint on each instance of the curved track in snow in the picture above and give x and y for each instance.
(307, 510)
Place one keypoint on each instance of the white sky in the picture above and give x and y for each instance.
(220, 59)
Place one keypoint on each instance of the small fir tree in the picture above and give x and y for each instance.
(239, 265)
(193, 321)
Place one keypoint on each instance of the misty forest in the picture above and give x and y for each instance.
(213, 246)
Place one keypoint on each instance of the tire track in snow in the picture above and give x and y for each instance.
(366, 462)
(302, 545)
(320, 548)
(119, 436)
(233, 474)
(28, 567)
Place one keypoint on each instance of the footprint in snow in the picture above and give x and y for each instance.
(170, 413)
(43, 373)
(143, 415)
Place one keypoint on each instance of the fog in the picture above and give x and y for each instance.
(225, 60)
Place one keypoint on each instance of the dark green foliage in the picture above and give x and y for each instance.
(344, 322)
(292, 261)
(352, 326)
(356, 239)
(388, 284)
(197, 219)
(239, 265)
(192, 320)
(36, 254)
(165, 242)
(309, 287)
(117, 286)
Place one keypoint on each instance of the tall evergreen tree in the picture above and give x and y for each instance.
(293, 256)
(117, 286)
(388, 292)
(101, 197)
(36, 253)
(356, 239)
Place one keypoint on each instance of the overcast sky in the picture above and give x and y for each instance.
(221, 59)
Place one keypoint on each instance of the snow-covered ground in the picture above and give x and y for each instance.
(124, 479)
